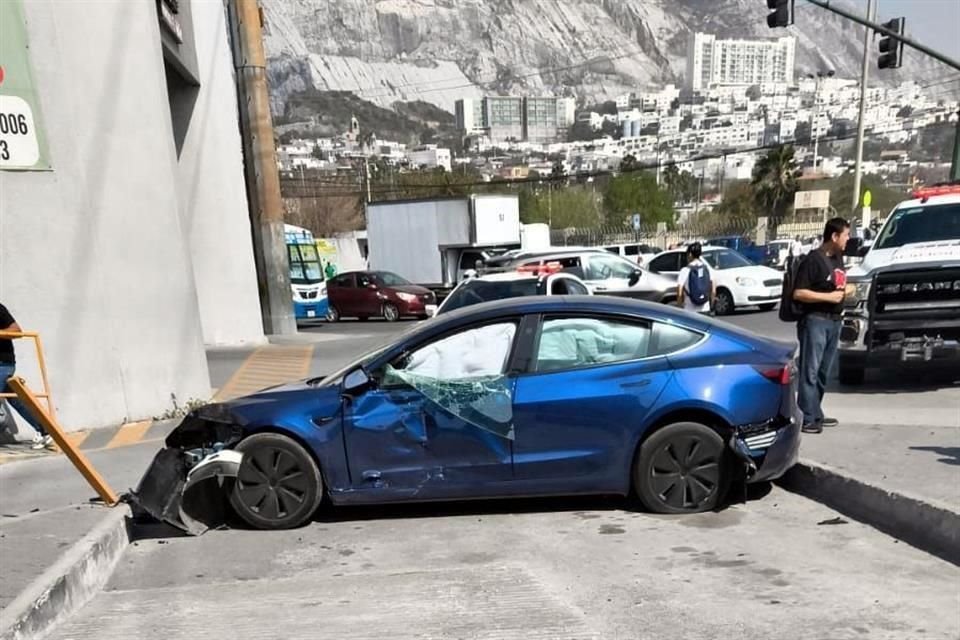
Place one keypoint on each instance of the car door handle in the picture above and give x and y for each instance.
(638, 383)
(599, 288)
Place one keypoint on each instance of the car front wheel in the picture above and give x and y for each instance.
(724, 304)
(682, 468)
(278, 485)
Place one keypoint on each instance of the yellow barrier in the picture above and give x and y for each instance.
(38, 347)
(32, 403)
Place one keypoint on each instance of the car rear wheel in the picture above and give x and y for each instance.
(390, 312)
(332, 314)
(724, 304)
(682, 468)
(278, 485)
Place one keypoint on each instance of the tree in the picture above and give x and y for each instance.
(561, 208)
(753, 93)
(738, 203)
(637, 192)
(629, 163)
(557, 172)
(775, 181)
(681, 185)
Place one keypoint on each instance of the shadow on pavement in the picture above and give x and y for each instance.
(911, 377)
(951, 454)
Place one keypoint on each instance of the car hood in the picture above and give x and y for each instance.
(415, 289)
(918, 253)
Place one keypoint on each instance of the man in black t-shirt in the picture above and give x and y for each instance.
(820, 288)
(8, 365)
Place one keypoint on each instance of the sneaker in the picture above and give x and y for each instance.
(42, 442)
(830, 422)
(813, 427)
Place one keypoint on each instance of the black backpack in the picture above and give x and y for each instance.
(790, 309)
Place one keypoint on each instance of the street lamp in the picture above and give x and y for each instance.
(816, 121)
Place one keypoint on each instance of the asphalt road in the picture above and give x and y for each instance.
(774, 566)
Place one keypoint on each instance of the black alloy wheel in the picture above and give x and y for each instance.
(278, 485)
(682, 468)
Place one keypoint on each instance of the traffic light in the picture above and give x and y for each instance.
(891, 49)
(781, 13)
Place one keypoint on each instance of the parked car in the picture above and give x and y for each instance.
(365, 294)
(739, 282)
(780, 250)
(607, 274)
(757, 254)
(540, 281)
(539, 396)
(639, 253)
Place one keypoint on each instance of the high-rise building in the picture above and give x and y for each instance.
(712, 62)
(505, 118)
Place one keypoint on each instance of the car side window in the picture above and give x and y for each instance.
(345, 281)
(666, 263)
(363, 280)
(604, 267)
(571, 343)
(465, 374)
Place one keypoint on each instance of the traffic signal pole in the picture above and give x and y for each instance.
(899, 37)
(861, 124)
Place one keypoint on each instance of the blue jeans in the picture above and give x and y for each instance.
(818, 335)
(6, 371)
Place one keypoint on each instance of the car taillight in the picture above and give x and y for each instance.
(780, 375)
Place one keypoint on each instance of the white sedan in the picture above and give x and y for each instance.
(739, 282)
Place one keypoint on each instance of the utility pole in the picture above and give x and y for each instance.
(861, 123)
(955, 165)
(263, 180)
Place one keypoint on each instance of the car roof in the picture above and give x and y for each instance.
(951, 198)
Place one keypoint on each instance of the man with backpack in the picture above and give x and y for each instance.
(813, 297)
(695, 289)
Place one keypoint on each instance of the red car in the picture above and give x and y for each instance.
(364, 294)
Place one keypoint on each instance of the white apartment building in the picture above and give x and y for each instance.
(713, 62)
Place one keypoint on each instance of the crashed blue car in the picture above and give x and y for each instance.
(524, 397)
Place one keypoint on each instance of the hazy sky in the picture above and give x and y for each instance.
(935, 23)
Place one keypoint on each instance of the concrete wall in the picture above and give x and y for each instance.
(213, 198)
(96, 254)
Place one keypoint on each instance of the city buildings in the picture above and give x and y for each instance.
(714, 62)
(429, 156)
(515, 119)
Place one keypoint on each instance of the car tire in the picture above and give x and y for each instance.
(682, 468)
(390, 312)
(724, 305)
(768, 307)
(278, 485)
(851, 372)
(333, 315)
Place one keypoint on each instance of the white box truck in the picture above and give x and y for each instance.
(432, 241)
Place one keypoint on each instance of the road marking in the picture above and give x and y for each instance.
(129, 434)
(266, 367)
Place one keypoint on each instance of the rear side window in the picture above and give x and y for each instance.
(669, 338)
(343, 281)
(631, 250)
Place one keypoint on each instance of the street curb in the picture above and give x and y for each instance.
(71, 582)
(927, 525)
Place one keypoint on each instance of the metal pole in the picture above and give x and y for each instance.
(861, 122)
(825, 4)
(263, 181)
(816, 125)
(955, 166)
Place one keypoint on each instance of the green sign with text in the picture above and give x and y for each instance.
(22, 142)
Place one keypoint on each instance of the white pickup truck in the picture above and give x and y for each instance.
(907, 300)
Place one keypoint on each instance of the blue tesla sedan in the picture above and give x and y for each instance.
(524, 397)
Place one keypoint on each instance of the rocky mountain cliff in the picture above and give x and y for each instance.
(437, 51)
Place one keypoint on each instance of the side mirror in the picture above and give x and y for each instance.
(854, 245)
(635, 277)
(355, 382)
(863, 251)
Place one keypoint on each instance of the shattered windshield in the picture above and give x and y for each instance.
(465, 375)
(921, 224)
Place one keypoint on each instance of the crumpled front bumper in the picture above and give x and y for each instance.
(183, 486)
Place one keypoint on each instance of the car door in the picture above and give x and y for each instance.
(612, 275)
(578, 411)
(340, 291)
(367, 295)
(438, 422)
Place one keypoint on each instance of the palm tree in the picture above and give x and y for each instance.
(775, 180)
